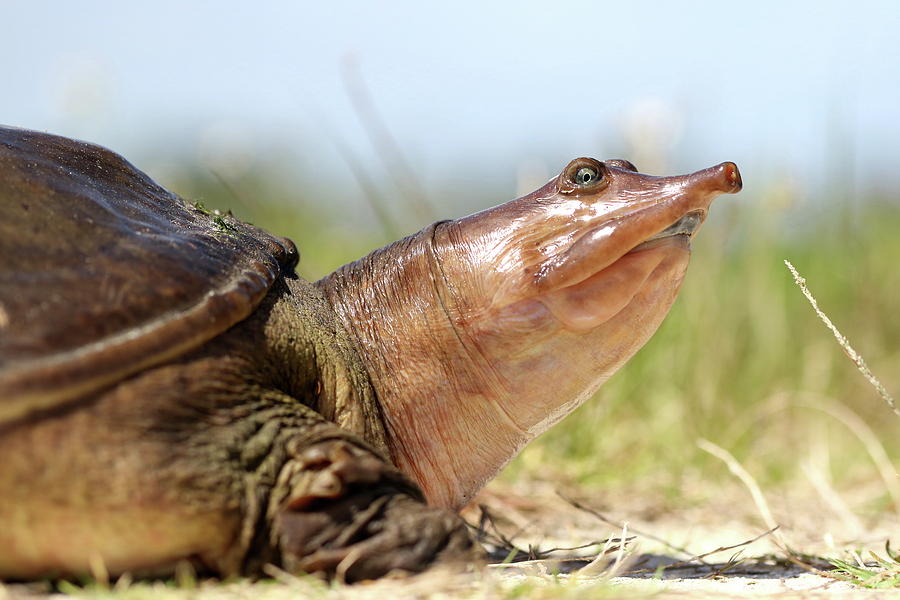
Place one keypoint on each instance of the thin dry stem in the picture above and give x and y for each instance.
(862, 431)
(601, 563)
(370, 190)
(618, 525)
(699, 557)
(619, 563)
(741, 473)
(99, 571)
(380, 136)
(226, 185)
(817, 474)
(844, 343)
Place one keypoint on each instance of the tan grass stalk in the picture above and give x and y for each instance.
(868, 439)
(609, 521)
(699, 557)
(601, 564)
(382, 140)
(98, 570)
(844, 343)
(782, 401)
(741, 473)
(817, 474)
(123, 582)
(619, 564)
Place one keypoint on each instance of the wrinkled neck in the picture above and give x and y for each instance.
(315, 358)
(444, 429)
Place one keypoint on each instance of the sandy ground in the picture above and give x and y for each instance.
(713, 544)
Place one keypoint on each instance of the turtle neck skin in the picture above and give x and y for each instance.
(480, 333)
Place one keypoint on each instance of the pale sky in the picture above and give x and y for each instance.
(804, 88)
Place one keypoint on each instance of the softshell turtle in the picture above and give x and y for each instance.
(170, 389)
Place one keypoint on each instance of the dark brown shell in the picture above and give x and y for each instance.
(104, 273)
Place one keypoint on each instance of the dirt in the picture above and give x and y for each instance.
(709, 543)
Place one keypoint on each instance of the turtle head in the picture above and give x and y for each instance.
(482, 332)
(557, 289)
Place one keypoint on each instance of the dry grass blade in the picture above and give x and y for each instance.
(862, 431)
(99, 571)
(372, 196)
(608, 521)
(732, 563)
(741, 473)
(507, 552)
(842, 340)
(818, 476)
(387, 148)
(226, 185)
(370, 191)
(591, 544)
(601, 563)
(699, 557)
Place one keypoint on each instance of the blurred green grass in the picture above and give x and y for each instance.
(741, 360)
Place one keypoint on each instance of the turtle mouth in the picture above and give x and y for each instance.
(682, 229)
(686, 225)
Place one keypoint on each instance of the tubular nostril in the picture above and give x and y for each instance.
(732, 176)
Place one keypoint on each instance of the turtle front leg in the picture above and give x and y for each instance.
(191, 462)
(339, 509)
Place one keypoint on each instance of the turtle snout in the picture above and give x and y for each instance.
(724, 178)
(729, 177)
(732, 177)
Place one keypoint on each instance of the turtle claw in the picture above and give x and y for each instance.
(354, 517)
(392, 534)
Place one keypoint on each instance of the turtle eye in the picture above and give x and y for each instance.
(583, 176)
(586, 176)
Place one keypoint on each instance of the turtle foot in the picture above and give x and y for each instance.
(352, 517)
